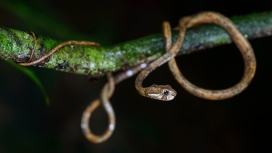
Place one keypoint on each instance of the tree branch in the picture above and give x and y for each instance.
(16, 45)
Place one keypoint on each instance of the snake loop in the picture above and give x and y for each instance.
(242, 44)
(106, 93)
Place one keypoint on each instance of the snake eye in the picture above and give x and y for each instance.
(165, 92)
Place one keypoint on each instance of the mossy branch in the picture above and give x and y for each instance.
(16, 45)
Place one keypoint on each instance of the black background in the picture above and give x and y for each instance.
(186, 124)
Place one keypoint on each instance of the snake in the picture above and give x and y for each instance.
(162, 92)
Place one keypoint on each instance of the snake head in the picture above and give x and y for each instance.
(161, 92)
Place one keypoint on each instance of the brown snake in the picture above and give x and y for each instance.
(163, 92)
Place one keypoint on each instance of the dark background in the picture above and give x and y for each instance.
(186, 124)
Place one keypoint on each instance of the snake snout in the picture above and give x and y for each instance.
(171, 94)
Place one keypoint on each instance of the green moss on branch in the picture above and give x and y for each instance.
(16, 45)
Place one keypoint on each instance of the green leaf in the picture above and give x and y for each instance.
(33, 77)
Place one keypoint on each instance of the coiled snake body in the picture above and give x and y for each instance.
(187, 22)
